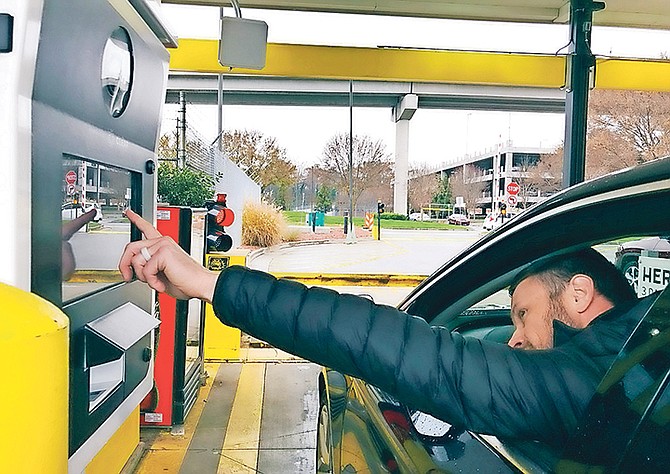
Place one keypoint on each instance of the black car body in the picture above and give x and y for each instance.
(363, 429)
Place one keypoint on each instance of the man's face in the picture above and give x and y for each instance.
(532, 314)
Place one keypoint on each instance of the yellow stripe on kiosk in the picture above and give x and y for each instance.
(222, 342)
(34, 403)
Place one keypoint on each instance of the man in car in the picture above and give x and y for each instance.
(563, 294)
(577, 304)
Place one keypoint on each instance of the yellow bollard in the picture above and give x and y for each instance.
(375, 228)
(34, 378)
(222, 342)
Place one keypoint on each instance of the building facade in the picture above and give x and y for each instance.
(490, 173)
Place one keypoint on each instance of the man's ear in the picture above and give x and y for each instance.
(582, 291)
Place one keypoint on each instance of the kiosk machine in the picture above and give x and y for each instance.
(85, 89)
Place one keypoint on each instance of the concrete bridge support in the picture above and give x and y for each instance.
(402, 114)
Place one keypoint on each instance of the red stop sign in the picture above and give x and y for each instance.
(70, 177)
(513, 188)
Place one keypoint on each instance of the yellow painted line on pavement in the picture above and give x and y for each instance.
(167, 451)
(353, 279)
(240, 445)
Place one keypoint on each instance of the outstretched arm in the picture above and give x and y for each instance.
(169, 269)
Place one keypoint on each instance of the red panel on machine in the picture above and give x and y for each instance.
(157, 407)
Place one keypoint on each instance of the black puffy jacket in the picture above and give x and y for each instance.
(482, 386)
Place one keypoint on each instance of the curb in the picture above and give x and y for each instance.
(286, 245)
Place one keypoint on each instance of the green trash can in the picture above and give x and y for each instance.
(319, 219)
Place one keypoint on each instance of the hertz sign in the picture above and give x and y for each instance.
(654, 275)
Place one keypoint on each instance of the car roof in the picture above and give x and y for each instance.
(585, 214)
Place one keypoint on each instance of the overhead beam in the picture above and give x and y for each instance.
(467, 10)
(245, 90)
(619, 13)
(427, 66)
(385, 64)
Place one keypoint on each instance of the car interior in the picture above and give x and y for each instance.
(489, 319)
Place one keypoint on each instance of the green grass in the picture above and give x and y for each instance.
(298, 218)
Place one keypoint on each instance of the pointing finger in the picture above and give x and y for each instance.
(145, 227)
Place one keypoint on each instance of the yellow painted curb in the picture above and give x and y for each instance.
(353, 279)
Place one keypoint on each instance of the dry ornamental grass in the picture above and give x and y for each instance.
(262, 225)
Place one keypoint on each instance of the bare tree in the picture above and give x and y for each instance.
(634, 125)
(545, 177)
(463, 183)
(371, 165)
(423, 185)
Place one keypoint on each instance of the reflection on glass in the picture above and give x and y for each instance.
(94, 228)
(117, 71)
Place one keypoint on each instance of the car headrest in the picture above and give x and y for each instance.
(500, 334)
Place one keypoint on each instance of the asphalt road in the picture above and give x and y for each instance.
(407, 252)
(402, 252)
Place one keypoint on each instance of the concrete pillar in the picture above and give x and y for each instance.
(402, 114)
(401, 166)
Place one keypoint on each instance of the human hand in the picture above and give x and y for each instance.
(169, 269)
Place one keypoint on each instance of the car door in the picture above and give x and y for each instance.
(627, 422)
(468, 294)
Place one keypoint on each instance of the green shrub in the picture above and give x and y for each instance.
(393, 217)
(184, 186)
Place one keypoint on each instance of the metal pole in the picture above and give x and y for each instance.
(580, 64)
(219, 104)
(181, 148)
(379, 223)
(219, 95)
(351, 235)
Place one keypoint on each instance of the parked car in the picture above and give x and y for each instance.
(628, 254)
(458, 219)
(419, 216)
(361, 428)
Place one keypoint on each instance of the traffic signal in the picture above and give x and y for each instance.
(218, 217)
(503, 209)
(380, 207)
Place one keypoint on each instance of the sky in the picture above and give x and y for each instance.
(436, 136)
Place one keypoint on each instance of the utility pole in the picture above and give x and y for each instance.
(181, 131)
(351, 235)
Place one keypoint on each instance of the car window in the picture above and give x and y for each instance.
(501, 298)
(646, 453)
(641, 382)
(628, 394)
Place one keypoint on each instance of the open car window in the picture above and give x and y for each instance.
(638, 388)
